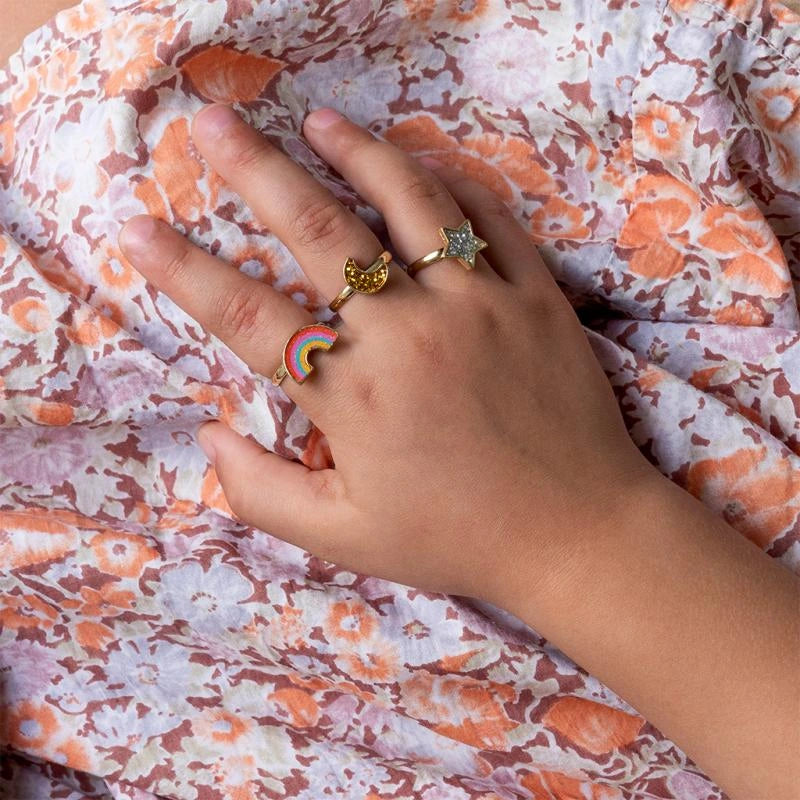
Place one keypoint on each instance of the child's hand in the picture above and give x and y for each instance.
(468, 418)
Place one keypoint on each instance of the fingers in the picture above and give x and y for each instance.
(252, 318)
(319, 231)
(414, 202)
(285, 498)
(513, 255)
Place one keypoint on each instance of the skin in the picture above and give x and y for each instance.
(479, 449)
(545, 507)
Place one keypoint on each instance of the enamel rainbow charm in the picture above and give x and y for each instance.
(298, 348)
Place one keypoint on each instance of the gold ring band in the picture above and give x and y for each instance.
(362, 281)
(460, 243)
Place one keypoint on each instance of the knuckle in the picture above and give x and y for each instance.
(365, 395)
(318, 226)
(422, 186)
(486, 323)
(545, 308)
(245, 156)
(238, 312)
(175, 265)
(429, 347)
(495, 208)
(325, 484)
(459, 183)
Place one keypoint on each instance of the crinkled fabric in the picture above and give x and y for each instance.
(150, 645)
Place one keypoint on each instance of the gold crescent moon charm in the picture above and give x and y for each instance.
(366, 281)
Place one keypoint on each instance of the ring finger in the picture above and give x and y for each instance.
(252, 318)
(414, 202)
(319, 231)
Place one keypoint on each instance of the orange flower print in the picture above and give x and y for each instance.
(741, 312)
(350, 621)
(7, 142)
(122, 554)
(221, 727)
(593, 726)
(31, 314)
(87, 326)
(489, 159)
(73, 754)
(225, 75)
(620, 166)
(778, 107)
(116, 273)
(376, 661)
(83, 18)
(658, 260)
(732, 231)
(787, 157)
(558, 219)
(59, 414)
(456, 10)
(178, 172)
(108, 601)
(24, 94)
(651, 221)
(60, 73)
(663, 127)
(127, 51)
(94, 635)
(751, 255)
(236, 777)
(466, 10)
(27, 611)
(759, 498)
(212, 495)
(682, 6)
(298, 706)
(61, 276)
(463, 708)
(547, 784)
(30, 538)
(28, 727)
(662, 209)
(287, 629)
(750, 272)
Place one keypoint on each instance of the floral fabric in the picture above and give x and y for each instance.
(150, 645)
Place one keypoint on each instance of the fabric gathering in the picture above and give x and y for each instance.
(152, 645)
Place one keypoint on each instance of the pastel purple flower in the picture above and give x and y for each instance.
(41, 456)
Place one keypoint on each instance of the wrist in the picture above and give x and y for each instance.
(688, 621)
(594, 537)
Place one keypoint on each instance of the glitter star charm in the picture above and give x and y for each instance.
(462, 243)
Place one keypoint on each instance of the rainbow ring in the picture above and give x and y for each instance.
(364, 281)
(297, 349)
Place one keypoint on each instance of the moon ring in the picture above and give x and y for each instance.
(362, 281)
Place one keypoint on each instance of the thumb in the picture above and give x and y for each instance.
(282, 497)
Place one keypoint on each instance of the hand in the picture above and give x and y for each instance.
(468, 418)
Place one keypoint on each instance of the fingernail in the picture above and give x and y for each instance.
(430, 163)
(136, 235)
(323, 118)
(207, 445)
(215, 119)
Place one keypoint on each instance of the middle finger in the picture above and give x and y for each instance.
(318, 230)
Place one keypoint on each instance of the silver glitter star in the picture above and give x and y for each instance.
(462, 243)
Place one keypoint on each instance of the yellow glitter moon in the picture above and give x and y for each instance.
(365, 281)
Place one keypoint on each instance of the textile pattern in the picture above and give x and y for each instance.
(151, 645)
